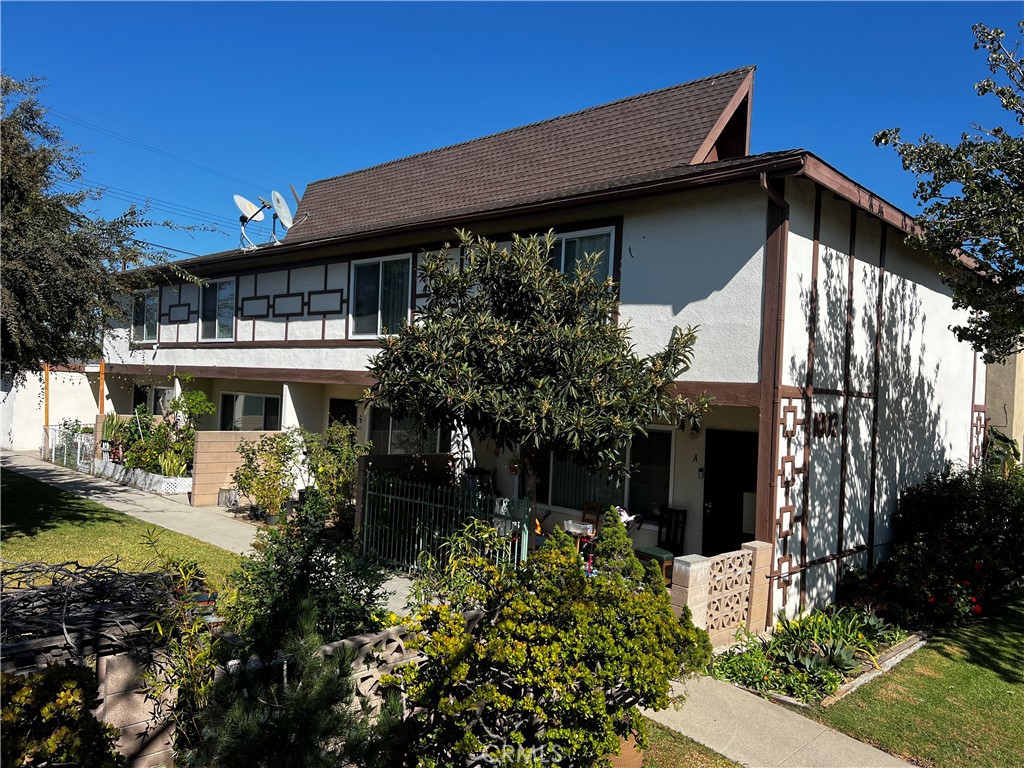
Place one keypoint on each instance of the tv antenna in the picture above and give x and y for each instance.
(282, 213)
(249, 213)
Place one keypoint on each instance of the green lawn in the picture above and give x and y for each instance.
(41, 523)
(668, 749)
(959, 701)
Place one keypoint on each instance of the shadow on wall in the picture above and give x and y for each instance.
(911, 439)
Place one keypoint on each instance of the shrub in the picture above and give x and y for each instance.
(47, 720)
(807, 657)
(331, 462)
(303, 562)
(268, 469)
(559, 663)
(958, 541)
(296, 711)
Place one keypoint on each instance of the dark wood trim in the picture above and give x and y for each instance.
(879, 320)
(772, 328)
(287, 315)
(323, 317)
(255, 315)
(288, 293)
(851, 257)
(857, 195)
(301, 375)
(974, 397)
(309, 302)
(742, 92)
(315, 343)
(726, 394)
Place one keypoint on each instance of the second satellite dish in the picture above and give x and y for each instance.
(281, 209)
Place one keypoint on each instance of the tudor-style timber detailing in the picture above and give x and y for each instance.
(793, 439)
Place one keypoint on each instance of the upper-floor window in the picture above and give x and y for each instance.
(570, 249)
(217, 312)
(146, 315)
(380, 295)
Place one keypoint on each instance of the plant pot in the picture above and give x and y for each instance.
(270, 519)
(630, 755)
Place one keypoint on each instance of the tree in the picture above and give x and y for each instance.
(527, 357)
(973, 199)
(62, 272)
(556, 664)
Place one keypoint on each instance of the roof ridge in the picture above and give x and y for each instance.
(634, 97)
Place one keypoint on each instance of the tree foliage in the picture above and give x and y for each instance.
(527, 357)
(972, 194)
(557, 665)
(62, 283)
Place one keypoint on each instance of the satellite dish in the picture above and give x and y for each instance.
(281, 209)
(282, 213)
(249, 213)
(248, 209)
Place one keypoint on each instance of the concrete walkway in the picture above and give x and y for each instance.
(214, 525)
(756, 732)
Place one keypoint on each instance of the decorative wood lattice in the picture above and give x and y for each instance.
(790, 472)
(729, 590)
(979, 430)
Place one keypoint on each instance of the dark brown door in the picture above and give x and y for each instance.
(730, 481)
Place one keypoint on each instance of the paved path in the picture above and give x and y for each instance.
(214, 525)
(756, 732)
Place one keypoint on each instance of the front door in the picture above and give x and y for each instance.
(730, 482)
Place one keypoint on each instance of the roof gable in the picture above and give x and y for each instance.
(655, 131)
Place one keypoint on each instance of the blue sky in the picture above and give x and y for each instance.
(273, 94)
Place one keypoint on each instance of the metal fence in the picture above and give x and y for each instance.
(69, 448)
(403, 519)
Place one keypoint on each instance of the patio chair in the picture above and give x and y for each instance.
(671, 541)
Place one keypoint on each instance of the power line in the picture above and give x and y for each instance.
(166, 247)
(157, 204)
(150, 147)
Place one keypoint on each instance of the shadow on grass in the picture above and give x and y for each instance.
(31, 507)
(994, 643)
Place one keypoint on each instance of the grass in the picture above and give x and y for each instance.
(959, 701)
(668, 749)
(42, 523)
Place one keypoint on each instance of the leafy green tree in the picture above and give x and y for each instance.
(555, 666)
(530, 358)
(973, 199)
(62, 284)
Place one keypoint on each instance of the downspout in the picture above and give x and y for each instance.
(46, 410)
(779, 201)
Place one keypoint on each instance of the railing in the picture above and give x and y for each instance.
(404, 519)
(69, 448)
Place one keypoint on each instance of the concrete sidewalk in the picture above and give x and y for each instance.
(213, 525)
(756, 732)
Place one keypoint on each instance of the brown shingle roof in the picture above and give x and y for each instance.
(542, 161)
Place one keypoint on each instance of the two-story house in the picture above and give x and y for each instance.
(823, 338)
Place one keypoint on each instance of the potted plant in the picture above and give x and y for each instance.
(268, 471)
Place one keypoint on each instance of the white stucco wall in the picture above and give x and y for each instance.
(925, 381)
(698, 259)
(72, 396)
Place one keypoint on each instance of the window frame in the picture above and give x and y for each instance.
(220, 414)
(609, 230)
(391, 427)
(144, 294)
(673, 435)
(379, 261)
(216, 318)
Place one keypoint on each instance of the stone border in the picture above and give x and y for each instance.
(888, 659)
